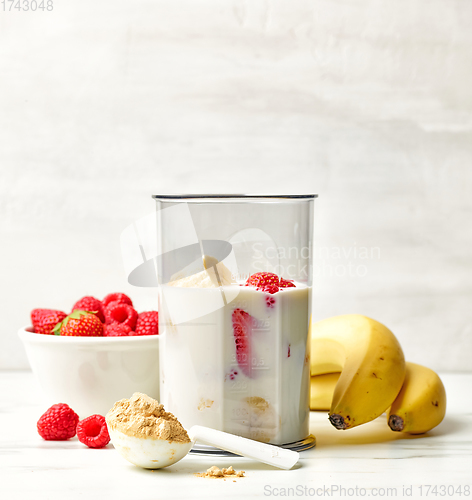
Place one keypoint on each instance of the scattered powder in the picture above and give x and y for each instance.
(258, 403)
(215, 472)
(141, 416)
(205, 403)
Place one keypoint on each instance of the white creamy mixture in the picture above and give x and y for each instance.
(242, 368)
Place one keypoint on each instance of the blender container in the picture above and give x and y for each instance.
(234, 353)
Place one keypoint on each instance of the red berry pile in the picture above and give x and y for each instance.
(268, 282)
(60, 422)
(114, 316)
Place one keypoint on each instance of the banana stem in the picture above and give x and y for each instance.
(395, 423)
(337, 421)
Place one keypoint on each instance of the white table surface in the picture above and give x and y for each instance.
(370, 457)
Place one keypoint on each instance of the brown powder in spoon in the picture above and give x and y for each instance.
(143, 417)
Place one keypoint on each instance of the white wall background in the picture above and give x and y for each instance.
(367, 103)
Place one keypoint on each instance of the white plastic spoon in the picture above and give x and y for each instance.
(158, 453)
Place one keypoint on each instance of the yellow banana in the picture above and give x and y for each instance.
(371, 363)
(321, 390)
(421, 403)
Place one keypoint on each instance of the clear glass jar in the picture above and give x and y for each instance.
(233, 342)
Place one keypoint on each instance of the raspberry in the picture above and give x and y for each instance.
(117, 330)
(117, 297)
(117, 312)
(147, 324)
(260, 280)
(93, 431)
(44, 320)
(90, 304)
(58, 423)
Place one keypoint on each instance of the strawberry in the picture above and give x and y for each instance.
(117, 297)
(286, 283)
(268, 282)
(259, 280)
(242, 331)
(118, 312)
(270, 301)
(80, 324)
(91, 304)
(147, 324)
(269, 288)
(44, 320)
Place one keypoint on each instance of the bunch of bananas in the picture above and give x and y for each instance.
(358, 372)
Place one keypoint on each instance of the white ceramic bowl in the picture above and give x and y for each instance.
(91, 373)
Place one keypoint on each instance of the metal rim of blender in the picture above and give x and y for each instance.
(182, 197)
